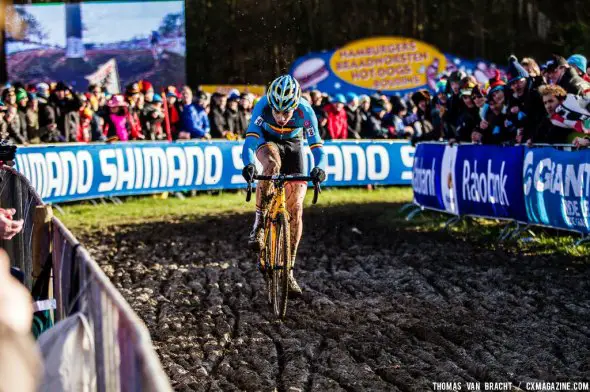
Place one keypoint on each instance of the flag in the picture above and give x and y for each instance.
(106, 76)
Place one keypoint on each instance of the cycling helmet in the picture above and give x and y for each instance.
(284, 93)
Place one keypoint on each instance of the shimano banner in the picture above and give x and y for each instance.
(489, 182)
(433, 177)
(557, 188)
(73, 172)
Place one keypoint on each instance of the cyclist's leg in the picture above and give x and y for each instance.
(269, 157)
(295, 194)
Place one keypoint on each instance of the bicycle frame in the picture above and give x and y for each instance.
(278, 205)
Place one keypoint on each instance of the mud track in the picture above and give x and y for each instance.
(386, 307)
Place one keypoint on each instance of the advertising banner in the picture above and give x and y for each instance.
(433, 177)
(489, 182)
(557, 188)
(391, 65)
(84, 171)
(227, 88)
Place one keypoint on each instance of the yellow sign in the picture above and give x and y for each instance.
(226, 88)
(388, 63)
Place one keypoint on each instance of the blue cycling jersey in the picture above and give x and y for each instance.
(303, 121)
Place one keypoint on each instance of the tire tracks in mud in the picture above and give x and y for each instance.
(380, 312)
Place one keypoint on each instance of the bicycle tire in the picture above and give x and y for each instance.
(265, 255)
(280, 270)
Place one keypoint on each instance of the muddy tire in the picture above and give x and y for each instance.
(279, 282)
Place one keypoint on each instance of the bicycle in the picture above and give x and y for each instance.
(275, 257)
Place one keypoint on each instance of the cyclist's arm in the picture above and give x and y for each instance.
(316, 143)
(254, 136)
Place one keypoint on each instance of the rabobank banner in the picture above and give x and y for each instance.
(73, 172)
(489, 182)
(557, 188)
(433, 177)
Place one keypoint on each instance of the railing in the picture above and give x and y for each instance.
(124, 356)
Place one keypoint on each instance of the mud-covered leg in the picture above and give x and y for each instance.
(295, 193)
(269, 156)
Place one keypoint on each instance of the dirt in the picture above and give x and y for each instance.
(385, 306)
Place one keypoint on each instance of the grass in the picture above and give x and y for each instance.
(136, 210)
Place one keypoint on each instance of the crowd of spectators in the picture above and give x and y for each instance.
(530, 104)
(54, 113)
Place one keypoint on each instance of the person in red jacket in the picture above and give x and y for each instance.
(337, 119)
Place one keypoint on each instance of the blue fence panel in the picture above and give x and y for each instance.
(557, 188)
(489, 181)
(433, 177)
(73, 172)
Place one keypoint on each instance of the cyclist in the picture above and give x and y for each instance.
(280, 121)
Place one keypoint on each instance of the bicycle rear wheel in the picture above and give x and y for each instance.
(279, 282)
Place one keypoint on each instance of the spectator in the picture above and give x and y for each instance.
(98, 93)
(365, 113)
(245, 112)
(531, 66)
(374, 127)
(21, 103)
(399, 110)
(492, 128)
(318, 109)
(469, 118)
(353, 116)
(32, 119)
(232, 118)
(195, 123)
(135, 105)
(337, 120)
(217, 120)
(455, 103)
(547, 131)
(524, 105)
(99, 113)
(153, 116)
(148, 91)
(48, 131)
(85, 130)
(579, 64)
(560, 73)
(173, 114)
(3, 125)
(20, 361)
(117, 125)
(65, 105)
(423, 128)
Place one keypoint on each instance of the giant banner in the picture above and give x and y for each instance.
(433, 177)
(557, 188)
(489, 183)
(84, 171)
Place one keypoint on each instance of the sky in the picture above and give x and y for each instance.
(105, 22)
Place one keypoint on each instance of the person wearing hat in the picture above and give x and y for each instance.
(32, 118)
(423, 128)
(375, 128)
(232, 118)
(65, 105)
(337, 124)
(455, 104)
(117, 125)
(353, 116)
(524, 105)
(152, 119)
(22, 99)
(562, 74)
(147, 89)
(469, 119)
(493, 126)
(399, 109)
(579, 64)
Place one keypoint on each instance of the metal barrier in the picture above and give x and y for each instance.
(124, 356)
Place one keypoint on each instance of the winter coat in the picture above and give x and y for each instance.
(496, 131)
(337, 122)
(244, 120)
(232, 119)
(152, 126)
(353, 118)
(66, 116)
(321, 115)
(15, 130)
(217, 122)
(374, 128)
(572, 83)
(531, 110)
(195, 121)
(547, 132)
(467, 122)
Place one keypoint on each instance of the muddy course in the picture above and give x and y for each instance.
(387, 306)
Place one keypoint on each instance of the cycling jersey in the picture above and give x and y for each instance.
(304, 121)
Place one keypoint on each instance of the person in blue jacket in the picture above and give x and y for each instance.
(280, 121)
(194, 119)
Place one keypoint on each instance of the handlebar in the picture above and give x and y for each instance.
(285, 178)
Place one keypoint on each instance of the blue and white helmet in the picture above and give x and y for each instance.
(284, 93)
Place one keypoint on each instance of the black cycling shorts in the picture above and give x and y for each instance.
(290, 151)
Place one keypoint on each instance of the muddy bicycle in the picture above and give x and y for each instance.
(275, 257)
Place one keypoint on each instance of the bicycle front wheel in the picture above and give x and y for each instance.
(280, 267)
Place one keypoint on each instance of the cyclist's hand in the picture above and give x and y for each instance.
(248, 172)
(318, 175)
